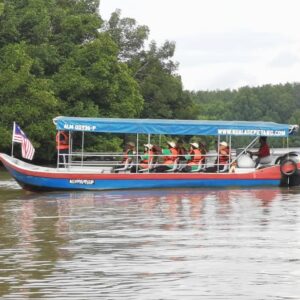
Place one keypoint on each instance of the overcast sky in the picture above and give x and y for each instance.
(223, 43)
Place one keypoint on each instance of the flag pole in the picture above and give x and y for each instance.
(12, 141)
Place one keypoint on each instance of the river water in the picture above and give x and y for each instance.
(150, 244)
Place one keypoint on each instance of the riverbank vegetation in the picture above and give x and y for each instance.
(59, 57)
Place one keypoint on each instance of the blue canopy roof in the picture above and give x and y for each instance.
(173, 127)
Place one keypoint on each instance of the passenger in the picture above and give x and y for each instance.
(173, 150)
(263, 151)
(221, 162)
(62, 146)
(195, 158)
(129, 151)
(157, 151)
(127, 156)
(233, 167)
(203, 149)
(146, 159)
(181, 150)
(223, 155)
(170, 156)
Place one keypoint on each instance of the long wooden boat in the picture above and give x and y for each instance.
(81, 177)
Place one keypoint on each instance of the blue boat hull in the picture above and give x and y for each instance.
(43, 183)
(37, 178)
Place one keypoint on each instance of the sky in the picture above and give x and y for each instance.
(223, 44)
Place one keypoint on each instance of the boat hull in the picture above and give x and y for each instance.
(38, 178)
(43, 183)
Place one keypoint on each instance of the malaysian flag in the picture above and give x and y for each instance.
(20, 137)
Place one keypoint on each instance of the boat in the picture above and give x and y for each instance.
(82, 174)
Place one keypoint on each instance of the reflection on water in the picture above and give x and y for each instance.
(153, 244)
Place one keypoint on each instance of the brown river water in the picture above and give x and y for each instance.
(150, 244)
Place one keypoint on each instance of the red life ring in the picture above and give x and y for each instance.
(288, 167)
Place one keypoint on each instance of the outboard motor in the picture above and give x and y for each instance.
(290, 174)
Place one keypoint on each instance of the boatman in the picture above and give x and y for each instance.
(62, 146)
(263, 151)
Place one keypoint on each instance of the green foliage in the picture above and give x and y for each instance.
(93, 74)
(58, 57)
(277, 103)
(1, 7)
(103, 143)
(152, 68)
(128, 36)
(160, 85)
(55, 61)
(24, 98)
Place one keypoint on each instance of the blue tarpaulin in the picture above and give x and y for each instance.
(173, 127)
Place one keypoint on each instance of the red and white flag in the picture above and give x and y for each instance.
(20, 137)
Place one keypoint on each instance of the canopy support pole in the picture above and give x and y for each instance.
(229, 158)
(149, 163)
(69, 150)
(58, 146)
(137, 153)
(69, 158)
(82, 147)
(245, 149)
(218, 155)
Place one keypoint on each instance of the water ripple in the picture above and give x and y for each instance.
(154, 244)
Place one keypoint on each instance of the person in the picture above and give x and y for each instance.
(146, 159)
(157, 151)
(127, 157)
(62, 146)
(181, 150)
(263, 151)
(203, 149)
(129, 151)
(233, 167)
(223, 156)
(221, 162)
(195, 157)
(170, 156)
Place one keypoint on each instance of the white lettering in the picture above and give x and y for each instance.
(68, 126)
(253, 132)
(79, 127)
(82, 181)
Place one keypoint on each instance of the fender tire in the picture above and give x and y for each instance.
(291, 170)
(279, 160)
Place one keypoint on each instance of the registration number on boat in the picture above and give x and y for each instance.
(79, 127)
(82, 181)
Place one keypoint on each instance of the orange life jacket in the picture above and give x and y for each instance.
(168, 160)
(144, 164)
(196, 157)
(224, 158)
(62, 144)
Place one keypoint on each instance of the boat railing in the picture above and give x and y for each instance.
(109, 160)
(102, 159)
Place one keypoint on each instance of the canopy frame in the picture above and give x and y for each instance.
(174, 127)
